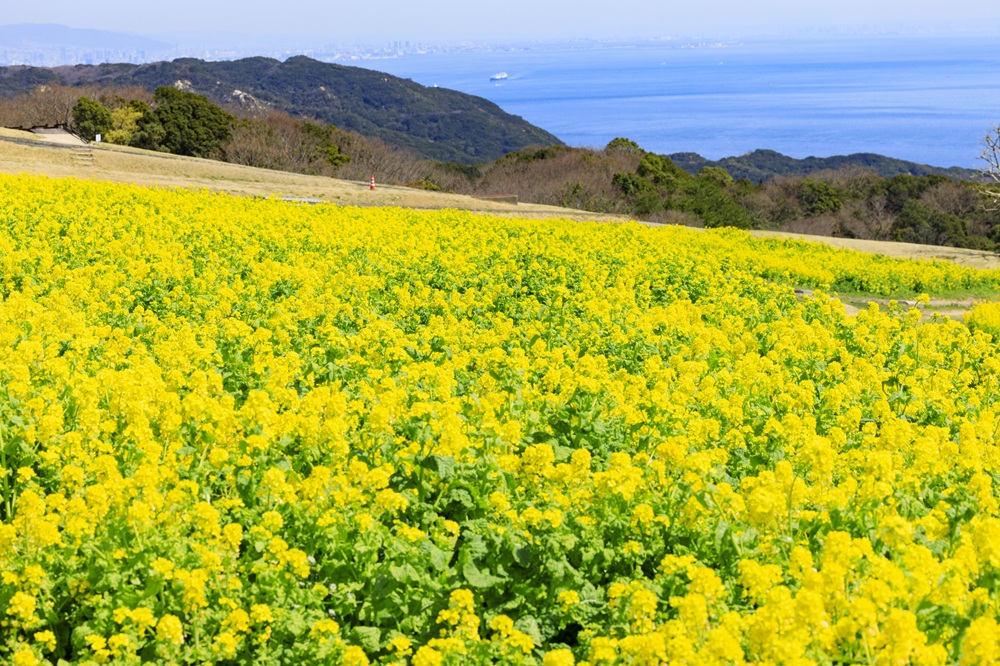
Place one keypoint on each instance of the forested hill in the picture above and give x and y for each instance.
(763, 165)
(437, 123)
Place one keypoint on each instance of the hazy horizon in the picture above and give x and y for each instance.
(451, 20)
(800, 35)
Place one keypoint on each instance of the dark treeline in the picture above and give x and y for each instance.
(621, 178)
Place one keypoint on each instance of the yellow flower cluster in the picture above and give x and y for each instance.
(248, 431)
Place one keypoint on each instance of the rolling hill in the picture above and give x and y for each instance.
(763, 165)
(437, 123)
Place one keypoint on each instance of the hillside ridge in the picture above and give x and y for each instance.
(436, 123)
(762, 165)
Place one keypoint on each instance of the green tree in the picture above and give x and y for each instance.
(642, 198)
(125, 122)
(900, 189)
(707, 199)
(717, 175)
(325, 149)
(817, 197)
(630, 184)
(917, 224)
(622, 144)
(183, 123)
(90, 118)
(661, 171)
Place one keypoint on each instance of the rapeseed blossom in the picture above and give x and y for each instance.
(248, 431)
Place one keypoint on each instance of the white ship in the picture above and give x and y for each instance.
(499, 76)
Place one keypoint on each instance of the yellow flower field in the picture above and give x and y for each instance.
(248, 431)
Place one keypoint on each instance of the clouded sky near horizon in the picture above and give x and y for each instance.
(455, 20)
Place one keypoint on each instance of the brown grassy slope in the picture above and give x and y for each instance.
(23, 152)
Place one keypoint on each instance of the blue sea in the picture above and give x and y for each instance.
(923, 99)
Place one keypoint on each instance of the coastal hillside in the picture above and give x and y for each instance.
(761, 165)
(436, 123)
(868, 197)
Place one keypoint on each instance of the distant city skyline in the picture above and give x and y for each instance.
(454, 20)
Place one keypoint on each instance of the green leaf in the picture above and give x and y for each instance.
(384, 585)
(462, 497)
(721, 531)
(562, 453)
(529, 625)
(403, 574)
(439, 559)
(478, 578)
(443, 465)
(368, 638)
(295, 623)
(474, 544)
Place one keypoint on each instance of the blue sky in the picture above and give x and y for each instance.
(456, 20)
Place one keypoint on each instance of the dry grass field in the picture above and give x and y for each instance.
(23, 152)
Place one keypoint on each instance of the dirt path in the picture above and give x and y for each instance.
(957, 255)
(57, 135)
(953, 308)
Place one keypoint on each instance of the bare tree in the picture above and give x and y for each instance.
(44, 106)
(878, 218)
(951, 198)
(275, 142)
(372, 156)
(49, 105)
(991, 155)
